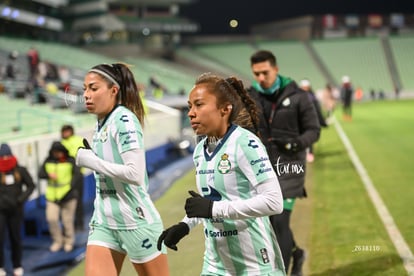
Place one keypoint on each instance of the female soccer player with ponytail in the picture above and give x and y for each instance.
(125, 220)
(237, 187)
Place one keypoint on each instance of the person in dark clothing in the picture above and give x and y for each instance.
(34, 59)
(306, 85)
(11, 67)
(288, 125)
(347, 93)
(13, 178)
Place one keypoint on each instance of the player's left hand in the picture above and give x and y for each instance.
(85, 155)
(198, 206)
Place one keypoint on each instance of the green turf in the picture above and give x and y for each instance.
(346, 234)
(382, 134)
(344, 219)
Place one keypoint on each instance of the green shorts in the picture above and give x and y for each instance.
(139, 244)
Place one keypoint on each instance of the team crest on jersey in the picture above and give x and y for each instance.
(224, 164)
(104, 135)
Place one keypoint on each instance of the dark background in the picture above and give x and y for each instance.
(214, 15)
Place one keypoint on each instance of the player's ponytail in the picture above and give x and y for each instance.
(248, 115)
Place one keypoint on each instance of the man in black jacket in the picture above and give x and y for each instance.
(288, 125)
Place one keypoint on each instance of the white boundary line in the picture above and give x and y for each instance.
(398, 240)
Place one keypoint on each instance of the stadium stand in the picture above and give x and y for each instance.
(402, 48)
(174, 77)
(195, 59)
(233, 55)
(361, 58)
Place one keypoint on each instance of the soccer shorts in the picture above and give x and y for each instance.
(139, 244)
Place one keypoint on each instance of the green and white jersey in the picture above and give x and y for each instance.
(244, 246)
(120, 205)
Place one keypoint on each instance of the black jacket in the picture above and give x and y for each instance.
(12, 195)
(287, 117)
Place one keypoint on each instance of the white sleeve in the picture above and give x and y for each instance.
(191, 222)
(132, 171)
(268, 201)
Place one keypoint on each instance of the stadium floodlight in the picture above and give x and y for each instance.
(15, 14)
(31, 18)
(6, 11)
(40, 20)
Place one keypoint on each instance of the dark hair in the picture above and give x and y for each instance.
(58, 146)
(262, 56)
(128, 90)
(231, 91)
(66, 128)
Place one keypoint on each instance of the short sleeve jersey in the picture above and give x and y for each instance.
(245, 246)
(120, 205)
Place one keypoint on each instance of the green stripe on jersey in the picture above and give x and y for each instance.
(236, 247)
(121, 205)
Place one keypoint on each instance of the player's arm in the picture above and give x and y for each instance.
(268, 201)
(131, 171)
(266, 194)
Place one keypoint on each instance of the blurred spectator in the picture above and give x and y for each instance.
(52, 72)
(11, 67)
(155, 83)
(347, 92)
(64, 75)
(12, 197)
(33, 57)
(372, 94)
(61, 196)
(72, 143)
(157, 88)
(306, 85)
(141, 92)
(329, 96)
(359, 94)
(397, 92)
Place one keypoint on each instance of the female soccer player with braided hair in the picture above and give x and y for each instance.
(125, 220)
(237, 187)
